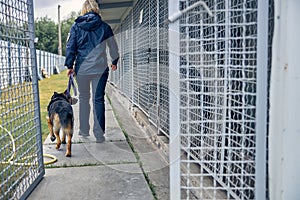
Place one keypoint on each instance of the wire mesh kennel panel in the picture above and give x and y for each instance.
(153, 61)
(144, 59)
(220, 98)
(141, 54)
(127, 59)
(115, 76)
(21, 165)
(163, 62)
(118, 74)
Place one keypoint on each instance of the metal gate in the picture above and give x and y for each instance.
(21, 165)
(222, 98)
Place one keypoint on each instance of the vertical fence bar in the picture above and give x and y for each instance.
(131, 80)
(36, 101)
(174, 121)
(157, 65)
(163, 112)
(9, 64)
(35, 86)
(261, 105)
(20, 63)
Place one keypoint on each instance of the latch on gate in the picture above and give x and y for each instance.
(178, 14)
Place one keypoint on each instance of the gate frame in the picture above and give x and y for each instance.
(36, 101)
(174, 92)
(262, 100)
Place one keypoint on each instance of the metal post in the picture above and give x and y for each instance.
(9, 64)
(157, 66)
(59, 33)
(174, 140)
(35, 87)
(261, 100)
(20, 63)
(41, 169)
(132, 56)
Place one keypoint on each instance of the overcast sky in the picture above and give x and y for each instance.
(49, 8)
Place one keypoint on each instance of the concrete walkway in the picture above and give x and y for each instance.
(109, 170)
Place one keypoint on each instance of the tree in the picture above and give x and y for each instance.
(47, 33)
(65, 29)
(46, 30)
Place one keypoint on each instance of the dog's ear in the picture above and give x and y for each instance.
(55, 94)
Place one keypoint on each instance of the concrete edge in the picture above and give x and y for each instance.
(159, 140)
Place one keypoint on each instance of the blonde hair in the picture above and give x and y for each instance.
(90, 6)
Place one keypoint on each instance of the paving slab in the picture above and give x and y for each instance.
(106, 170)
(154, 162)
(112, 130)
(92, 154)
(122, 182)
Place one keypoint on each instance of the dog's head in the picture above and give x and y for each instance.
(65, 96)
(71, 100)
(61, 96)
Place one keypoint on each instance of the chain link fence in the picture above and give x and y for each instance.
(21, 165)
(222, 111)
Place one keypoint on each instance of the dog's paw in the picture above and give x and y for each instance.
(68, 154)
(53, 138)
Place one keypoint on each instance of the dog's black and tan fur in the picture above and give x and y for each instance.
(60, 116)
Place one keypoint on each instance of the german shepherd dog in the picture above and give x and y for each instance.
(60, 116)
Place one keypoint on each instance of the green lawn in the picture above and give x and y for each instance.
(56, 83)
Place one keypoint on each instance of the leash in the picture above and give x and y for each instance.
(71, 84)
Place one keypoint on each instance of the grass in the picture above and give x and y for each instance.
(56, 83)
(17, 128)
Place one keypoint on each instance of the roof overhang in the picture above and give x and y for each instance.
(114, 11)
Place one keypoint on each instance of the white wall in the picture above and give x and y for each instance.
(284, 136)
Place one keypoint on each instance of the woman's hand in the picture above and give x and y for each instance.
(70, 71)
(113, 67)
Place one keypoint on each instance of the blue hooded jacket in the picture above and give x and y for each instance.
(86, 45)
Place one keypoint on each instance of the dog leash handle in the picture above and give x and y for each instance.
(71, 84)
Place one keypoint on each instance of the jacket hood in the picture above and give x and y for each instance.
(90, 21)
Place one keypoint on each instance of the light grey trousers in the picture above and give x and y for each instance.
(95, 85)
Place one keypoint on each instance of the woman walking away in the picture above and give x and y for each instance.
(86, 51)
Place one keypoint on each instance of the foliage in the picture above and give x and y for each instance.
(47, 33)
(13, 32)
(46, 30)
(65, 28)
